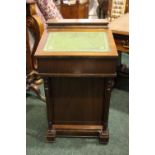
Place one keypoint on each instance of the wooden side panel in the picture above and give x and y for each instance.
(77, 100)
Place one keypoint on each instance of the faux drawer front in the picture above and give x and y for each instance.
(77, 66)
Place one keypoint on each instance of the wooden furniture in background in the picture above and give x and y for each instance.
(78, 9)
(117, 8)
(34, 25)
(120, 29)
(78, 81)
(127, 6)
(112, 9)
(103, 6)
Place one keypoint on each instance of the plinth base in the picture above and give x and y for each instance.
(78, 131)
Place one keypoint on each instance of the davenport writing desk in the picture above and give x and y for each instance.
(77, 59)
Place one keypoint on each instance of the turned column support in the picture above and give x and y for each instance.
(51, 133)
(104, 134)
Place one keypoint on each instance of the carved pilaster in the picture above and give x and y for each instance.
(51, 133)
(108, 84)
(47, 94)
(104, 133)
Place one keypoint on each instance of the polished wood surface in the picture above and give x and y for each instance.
(77, 87)
(77, 66)
(77, 10)
(34, 25)
(120, 29)
(29, 66)
(120, 25)
(77, 22)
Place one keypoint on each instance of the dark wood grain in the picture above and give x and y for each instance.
(73, 11)
(77, 87)
(77, 66)
(51, 133)
(103, 8)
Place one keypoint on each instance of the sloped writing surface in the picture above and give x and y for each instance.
(76, 42)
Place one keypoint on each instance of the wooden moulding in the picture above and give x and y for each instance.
(80, 23)
(112, 53)
(77, 22)
(78, 67)
(78, 131)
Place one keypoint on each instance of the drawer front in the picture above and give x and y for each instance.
(74, 66)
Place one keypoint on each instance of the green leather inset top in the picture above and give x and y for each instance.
(76, 42)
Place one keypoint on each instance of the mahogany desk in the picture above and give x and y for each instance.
(78, 60)
(120, 29)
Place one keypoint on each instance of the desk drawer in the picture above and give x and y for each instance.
(75, 66)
